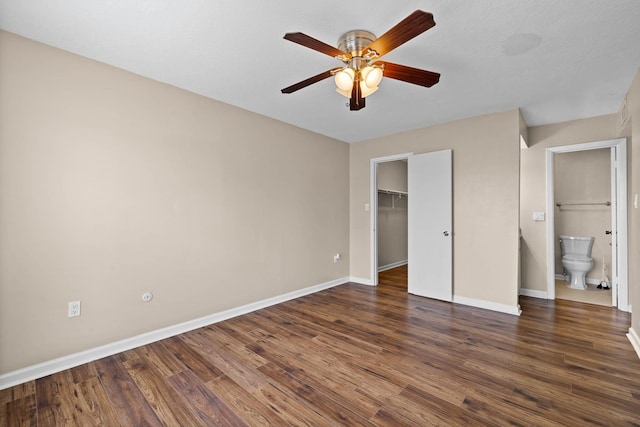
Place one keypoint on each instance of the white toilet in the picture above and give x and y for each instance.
(576, 259)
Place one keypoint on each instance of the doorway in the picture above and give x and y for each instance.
(429, 182)
(618, 205)
(393, 214)
(374, 208)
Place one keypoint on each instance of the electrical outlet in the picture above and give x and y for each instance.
(147, 296)
(336, 258)
(74, 309)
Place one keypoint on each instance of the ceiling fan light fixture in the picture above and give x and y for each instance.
(366, 90)
(345, 93)
(344, 79)
(371, 76)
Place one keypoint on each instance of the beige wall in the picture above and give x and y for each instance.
(112, 184)
(392, 213)
(633, 105)
(584, 177)
(485, 201)
(533, 187)
(524, 129)
(392, 176)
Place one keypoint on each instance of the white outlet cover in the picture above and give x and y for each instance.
(147, 296)
(538, 216)
(74, 309)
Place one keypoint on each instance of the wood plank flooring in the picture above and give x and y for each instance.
(359, 355)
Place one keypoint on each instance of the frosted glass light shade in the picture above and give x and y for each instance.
(345, 93)
(344, 79)
(366, 90)
(371, 76)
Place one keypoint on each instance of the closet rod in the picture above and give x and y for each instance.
(584, 204)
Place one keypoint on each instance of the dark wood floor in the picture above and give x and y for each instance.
(358, 355)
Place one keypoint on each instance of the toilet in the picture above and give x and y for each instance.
(576, 259)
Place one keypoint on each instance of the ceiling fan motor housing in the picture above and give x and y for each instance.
(354, 42)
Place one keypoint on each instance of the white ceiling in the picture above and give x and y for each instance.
(555, 59)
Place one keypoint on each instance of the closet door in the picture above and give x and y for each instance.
(430, 234)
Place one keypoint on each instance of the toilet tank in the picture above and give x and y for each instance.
(576, 245)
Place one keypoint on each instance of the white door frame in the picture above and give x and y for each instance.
(620, 288)
(373, 208)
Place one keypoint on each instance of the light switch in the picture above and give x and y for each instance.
(366, 207)
(538, 216)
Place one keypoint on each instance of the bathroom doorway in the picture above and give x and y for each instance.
(582, 188)
(575, 211)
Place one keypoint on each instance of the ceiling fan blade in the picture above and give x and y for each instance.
(315, 44)
(310, 81)
(411, 26)
(409, 74)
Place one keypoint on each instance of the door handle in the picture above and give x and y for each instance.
(446, 233)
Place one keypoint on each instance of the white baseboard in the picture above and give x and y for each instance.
(360, 281)
(392, 265)
(635, 340)
(40, 370)
(534, 293)
(488, 305)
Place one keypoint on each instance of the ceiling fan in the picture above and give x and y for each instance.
(359, 50)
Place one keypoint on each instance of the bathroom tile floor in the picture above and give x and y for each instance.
(592, 295)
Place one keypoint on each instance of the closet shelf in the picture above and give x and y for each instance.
(393, 192)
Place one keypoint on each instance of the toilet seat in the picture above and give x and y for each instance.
(576, 258)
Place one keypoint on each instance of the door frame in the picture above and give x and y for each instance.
(373, 208)
(620, 287)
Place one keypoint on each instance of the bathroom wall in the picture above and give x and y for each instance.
(584, 177)
(392, 214)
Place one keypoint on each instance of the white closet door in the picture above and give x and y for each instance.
(430, 233)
